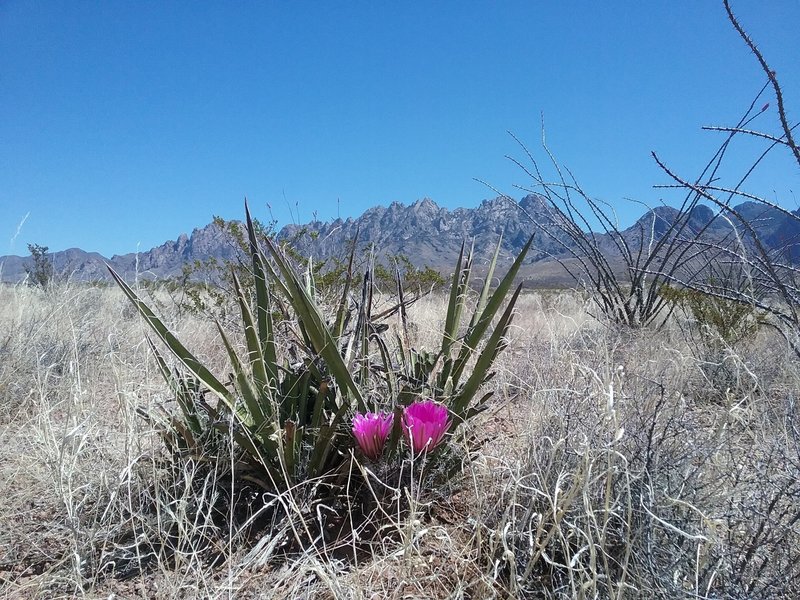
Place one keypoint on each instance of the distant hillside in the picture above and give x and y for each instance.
(429, 235)
(425, 232)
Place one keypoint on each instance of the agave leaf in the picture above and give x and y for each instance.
(291, 447)
(263, 303)
(275, 277)
(308, 279)
(259, 459)
(269, 348)
(186, 358)
(284, 395)
(254, 348)
(348, 352)
(454, 304)
(184, 395)
(486, 359)
(341, 311)
(401, 301)
(313, 369)
(182, 435)
(319, 405)
(266, 329)
(319, 454)
(324, 442)
(449, 386)
(254, 416)
(483, 317)
(357, 341)
(479, 406)
(445, 379)
(363, 323)
(173, 432)
(458, 298)
(391, 376)
(406, 360)
(319, 334)
(305, 409)
(296, 396)
(487, 284)
(397, 430)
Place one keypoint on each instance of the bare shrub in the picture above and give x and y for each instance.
(766, 261)
(623, 485)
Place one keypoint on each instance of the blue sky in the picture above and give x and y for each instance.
(126, 123)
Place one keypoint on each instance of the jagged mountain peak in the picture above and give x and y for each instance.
(428, 234)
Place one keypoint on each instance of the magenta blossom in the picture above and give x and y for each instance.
(424, 425)
(371, 431)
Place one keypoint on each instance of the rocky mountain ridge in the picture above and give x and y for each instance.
(426, 233)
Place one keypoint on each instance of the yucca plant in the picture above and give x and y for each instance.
(462, 365)
(287, 412)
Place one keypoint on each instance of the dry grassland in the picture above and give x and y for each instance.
(610, 463)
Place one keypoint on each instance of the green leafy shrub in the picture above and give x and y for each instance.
(715, 327)
(717, 320)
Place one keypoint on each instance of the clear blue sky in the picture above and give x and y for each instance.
(123, 124)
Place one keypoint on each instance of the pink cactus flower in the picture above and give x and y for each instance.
(424, 425)
(371, 431)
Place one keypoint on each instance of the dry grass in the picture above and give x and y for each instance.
(609, 464)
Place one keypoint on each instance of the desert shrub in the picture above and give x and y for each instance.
(622, 486)
(41, 272)
(275, 437)
(716, 320)
(623, 271)
(716, 330)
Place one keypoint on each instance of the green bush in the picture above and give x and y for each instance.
(718, 320)
(714, 328)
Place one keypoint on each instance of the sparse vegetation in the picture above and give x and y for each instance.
(355, 449)
(598, 468)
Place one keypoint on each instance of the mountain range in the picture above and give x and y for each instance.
(426, 233)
